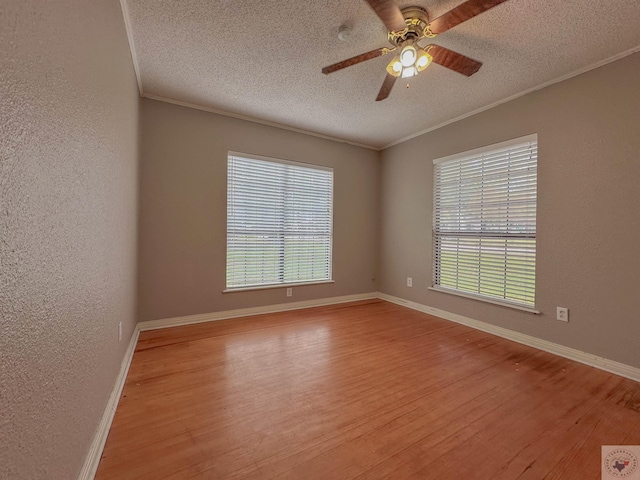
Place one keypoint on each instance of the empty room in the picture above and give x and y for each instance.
(330, 240)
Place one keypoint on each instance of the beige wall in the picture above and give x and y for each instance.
(588, 210)
(68, 214)
(183, 210)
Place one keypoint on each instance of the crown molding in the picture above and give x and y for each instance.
(257, 120)
(248, 118)
(132, 45)
(575, 73)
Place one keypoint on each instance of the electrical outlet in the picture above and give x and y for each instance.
(409, 282)
(119, 332)
(289, 292)
(562, 314)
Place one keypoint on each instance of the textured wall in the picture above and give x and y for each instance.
(183, 190)
(588, 198)
(68, 214)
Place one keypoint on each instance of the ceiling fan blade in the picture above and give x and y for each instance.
(357, 59)
(453, 60)
(387, 85)
(389, 13)
(461, 13)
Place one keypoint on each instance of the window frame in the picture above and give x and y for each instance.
(263, 158)
(466, 155)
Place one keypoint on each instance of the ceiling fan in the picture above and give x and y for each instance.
(406, 28)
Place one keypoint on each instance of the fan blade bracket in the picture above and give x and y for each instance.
(427, 33)
(395, 37)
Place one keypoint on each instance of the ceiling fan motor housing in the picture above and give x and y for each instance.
(417, 26)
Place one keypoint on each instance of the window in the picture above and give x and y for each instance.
(484, 223)
(279, 222)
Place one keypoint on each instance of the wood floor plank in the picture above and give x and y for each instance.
(367, 390)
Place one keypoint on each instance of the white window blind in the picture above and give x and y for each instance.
(279, 222)
(485, 222)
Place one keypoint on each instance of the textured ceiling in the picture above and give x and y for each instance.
(262, 59)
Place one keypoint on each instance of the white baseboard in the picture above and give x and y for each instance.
(601, 363)
(97, 446)
(92, 460)
(245, 312)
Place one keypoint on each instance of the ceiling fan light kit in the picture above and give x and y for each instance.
(406, 28)
(410, 62)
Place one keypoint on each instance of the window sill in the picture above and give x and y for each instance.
(486, 300)
(277, 285)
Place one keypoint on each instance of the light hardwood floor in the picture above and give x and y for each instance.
(366, 390)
